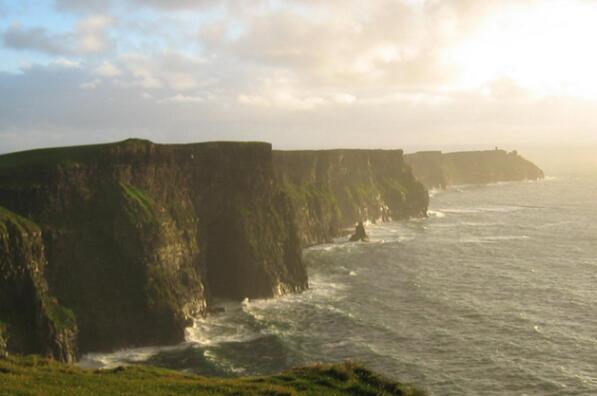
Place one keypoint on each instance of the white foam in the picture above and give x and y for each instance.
(481, 209)
(123, 357)
(224, 363)
(219, 329)
(436, 213)
(433, 192)
(495, 239)
(460, 211)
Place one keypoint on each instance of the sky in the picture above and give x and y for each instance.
(415, 74)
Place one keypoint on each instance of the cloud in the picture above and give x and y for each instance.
(176, 4)
(167, 69)
(86, 6)
(94, 6)
(90, 84)
(67, 63)
(47, 105)
(344, 98)
(182, 99)
(92, 34)
(339, 45)
(282, 100)
(107, 69)
(36, 39)
(287, 71)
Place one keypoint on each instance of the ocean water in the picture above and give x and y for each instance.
(495, 293)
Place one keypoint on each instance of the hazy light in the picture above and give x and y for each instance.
(545, 48)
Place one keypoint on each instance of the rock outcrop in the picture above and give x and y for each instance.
(139, 237)
(439, 170)
(332, 189)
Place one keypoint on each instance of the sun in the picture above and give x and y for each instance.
(547, 48)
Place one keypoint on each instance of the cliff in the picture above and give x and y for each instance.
(140, 237)
(121, 245)
(32, 375)
(439, 170)
(333, 189)
(33, 321)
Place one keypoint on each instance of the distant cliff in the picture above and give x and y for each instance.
(439, 170)
(332, 189)
(130, 240)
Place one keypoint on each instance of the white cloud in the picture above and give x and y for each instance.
(282, 100)
(92, 33)
(90, 85)
(183, 99)
(107, 69)
(344, 98)
(68, 63)
(168, 69)
(180, 81)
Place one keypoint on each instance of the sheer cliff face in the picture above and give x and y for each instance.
(32, 320)
(439, 170)
(139, 237)
(333, 189)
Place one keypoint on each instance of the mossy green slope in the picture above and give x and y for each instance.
(36, 376)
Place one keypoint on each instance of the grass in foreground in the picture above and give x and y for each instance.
(33, 375)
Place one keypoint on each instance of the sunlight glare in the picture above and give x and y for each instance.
(546, 48)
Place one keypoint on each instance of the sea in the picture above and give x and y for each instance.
(494, 293)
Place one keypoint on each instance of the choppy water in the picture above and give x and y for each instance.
(494, 294)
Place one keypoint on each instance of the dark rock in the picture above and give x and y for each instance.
(215, 310)
(359, 233)
(3, 340)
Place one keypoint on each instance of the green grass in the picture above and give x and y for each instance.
(23, 224)
(61, 317)
(50, 156)
(33, 375)
(72, 155)
(138, 196)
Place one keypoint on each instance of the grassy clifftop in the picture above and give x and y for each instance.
(35, 376)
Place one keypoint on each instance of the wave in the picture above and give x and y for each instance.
(436, 213)
(485, 209)
(495, 239)
(433, 192)
(124, 357)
